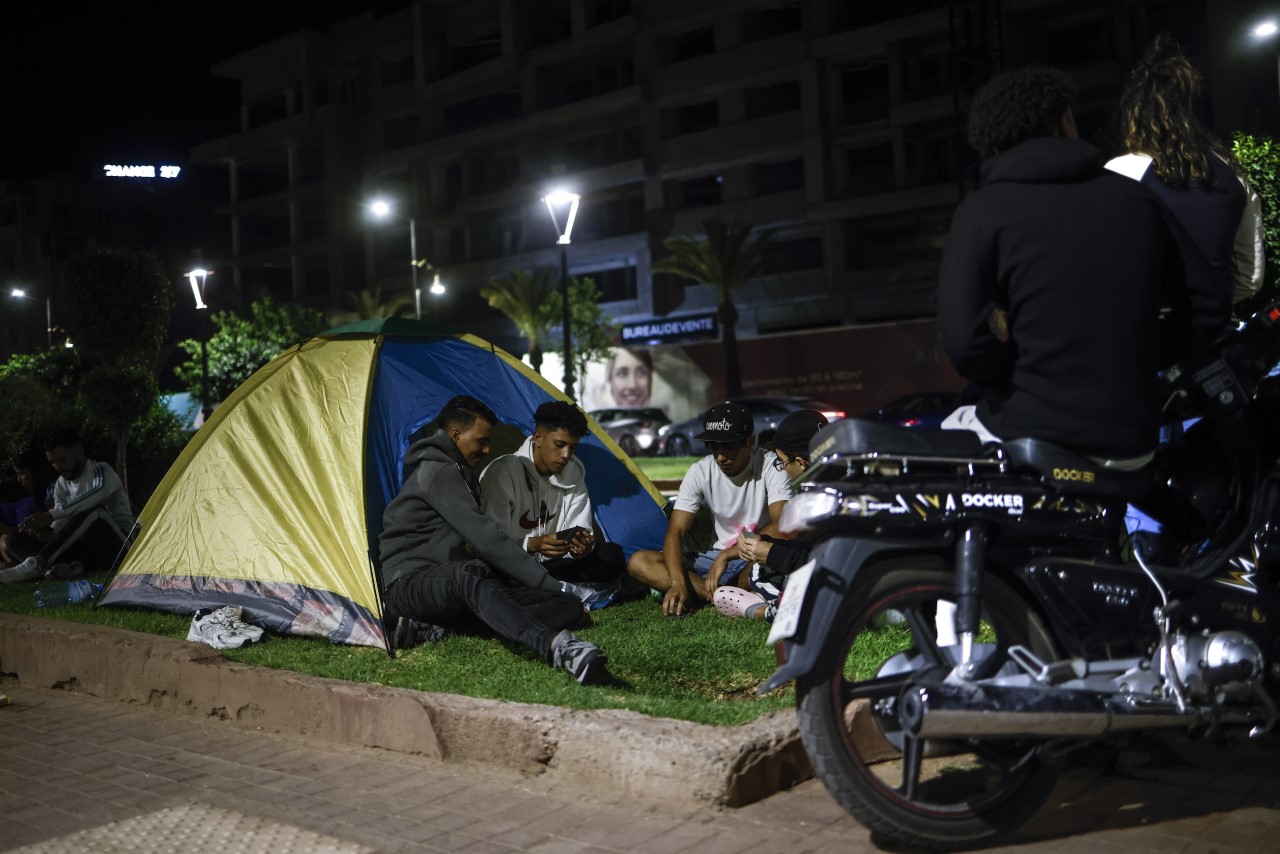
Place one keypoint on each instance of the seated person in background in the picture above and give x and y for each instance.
(541, 489)
(1170, 151)
(773, 559)
(445, 562)
(36, 478)
(86, 527)
(740, 487)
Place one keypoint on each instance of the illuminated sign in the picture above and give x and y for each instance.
(114, 171)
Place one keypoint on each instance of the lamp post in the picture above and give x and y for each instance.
(1268, 30)
(197, 290)
(567, 204)
(381, 209)
(21, 293)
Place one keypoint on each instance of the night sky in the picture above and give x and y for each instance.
(101, 84)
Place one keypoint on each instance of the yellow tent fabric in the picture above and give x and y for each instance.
(275, 526)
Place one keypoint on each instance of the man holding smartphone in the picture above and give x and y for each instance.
(538, 497)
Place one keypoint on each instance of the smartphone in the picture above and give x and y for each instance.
(568, 534)
(750, 535)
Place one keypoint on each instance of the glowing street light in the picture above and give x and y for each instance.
(21, 293)
(381, 209)
(563, 207)
(1266, 30)
(197, 290)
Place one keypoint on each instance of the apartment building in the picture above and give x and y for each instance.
(836, 124)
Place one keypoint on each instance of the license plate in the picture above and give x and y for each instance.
(787, 620)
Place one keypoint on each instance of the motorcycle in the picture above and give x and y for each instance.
(950, 732)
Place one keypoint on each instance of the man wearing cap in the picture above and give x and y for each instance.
(772, 559)
(740, 487)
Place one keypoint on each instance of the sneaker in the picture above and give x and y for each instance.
(222, 628)
(29, 570)
(73, 569)
(584, 660)
(410, 633)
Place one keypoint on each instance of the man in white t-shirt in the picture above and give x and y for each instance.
(741, 488)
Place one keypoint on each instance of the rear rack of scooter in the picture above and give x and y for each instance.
(875, 449)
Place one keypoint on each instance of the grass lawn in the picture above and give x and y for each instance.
(665, 468)
(702, 667)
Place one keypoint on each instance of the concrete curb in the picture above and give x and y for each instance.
(636, 755)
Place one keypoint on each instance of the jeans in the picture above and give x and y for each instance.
(605, 563)
(457, 594)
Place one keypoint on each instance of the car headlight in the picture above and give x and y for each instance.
(664, 429)
(803, 511)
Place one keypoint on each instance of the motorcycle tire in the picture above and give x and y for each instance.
(948, 794)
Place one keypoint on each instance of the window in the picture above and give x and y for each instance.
(786, 256)
(478, 112)
(397, 70)
(685, 46)
(696, 117)
(865, 92)
(767, 23)
(780, 177)
(870, 169)
(770, 100)
(603, 11)
(474, 52)
(1092, 41)
(617, 284)
(699, 192)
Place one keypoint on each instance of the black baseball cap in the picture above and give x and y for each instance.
(797, 430)
(727, 422)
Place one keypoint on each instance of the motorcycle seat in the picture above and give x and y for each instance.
(1072, 472)
(864, 438)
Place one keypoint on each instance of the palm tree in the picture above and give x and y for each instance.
(725, 257)
(522, 295)
(367, 304)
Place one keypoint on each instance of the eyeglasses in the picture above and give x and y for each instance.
(779, 464)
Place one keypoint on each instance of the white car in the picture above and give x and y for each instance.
(634, 429)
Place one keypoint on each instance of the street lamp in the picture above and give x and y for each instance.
(381, 209)
(21, 293)
(567, 204)
(197, 290)
(1267, 30)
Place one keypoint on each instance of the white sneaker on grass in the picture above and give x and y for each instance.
(222, 628)
(29, 570)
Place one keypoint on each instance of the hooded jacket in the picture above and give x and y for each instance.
(524, 504)
(1081, 260)
(436, 519)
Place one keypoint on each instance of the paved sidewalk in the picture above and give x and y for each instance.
(81, 774)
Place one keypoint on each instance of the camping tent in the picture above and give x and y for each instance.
(276, 504)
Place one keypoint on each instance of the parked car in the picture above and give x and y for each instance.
(634, 429)
(924, 409)
(767, 412)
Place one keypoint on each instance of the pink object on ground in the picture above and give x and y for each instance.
(734, 601)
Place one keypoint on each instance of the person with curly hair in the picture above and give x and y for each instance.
(1171, 152)
(1053, 278)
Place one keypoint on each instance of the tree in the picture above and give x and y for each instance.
(242, 345)
(118, 319)
(594, 336)
(1259, 157)
(725, 257)
(368, 304)
(525, 296)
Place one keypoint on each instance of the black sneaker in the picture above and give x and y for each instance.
(584, 660)
(410, 633)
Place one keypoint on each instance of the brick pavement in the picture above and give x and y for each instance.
(77, 773)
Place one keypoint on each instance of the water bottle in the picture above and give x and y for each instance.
(66, 593)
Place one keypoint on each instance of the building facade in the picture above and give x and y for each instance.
(837, 124)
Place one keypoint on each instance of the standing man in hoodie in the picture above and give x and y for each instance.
(444, 561)
(541, 490)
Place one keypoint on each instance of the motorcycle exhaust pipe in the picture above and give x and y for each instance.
(957, 710)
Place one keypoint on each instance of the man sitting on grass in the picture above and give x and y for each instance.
(86, 527)
(541, 491)
(446, 563)
(740, 487)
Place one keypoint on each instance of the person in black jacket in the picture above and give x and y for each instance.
(445, 562)
(1053, 277)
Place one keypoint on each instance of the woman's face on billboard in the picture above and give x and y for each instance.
(630, 379)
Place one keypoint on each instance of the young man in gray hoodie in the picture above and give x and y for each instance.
(444, 561)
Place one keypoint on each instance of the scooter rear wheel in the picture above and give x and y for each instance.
(931, 794)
